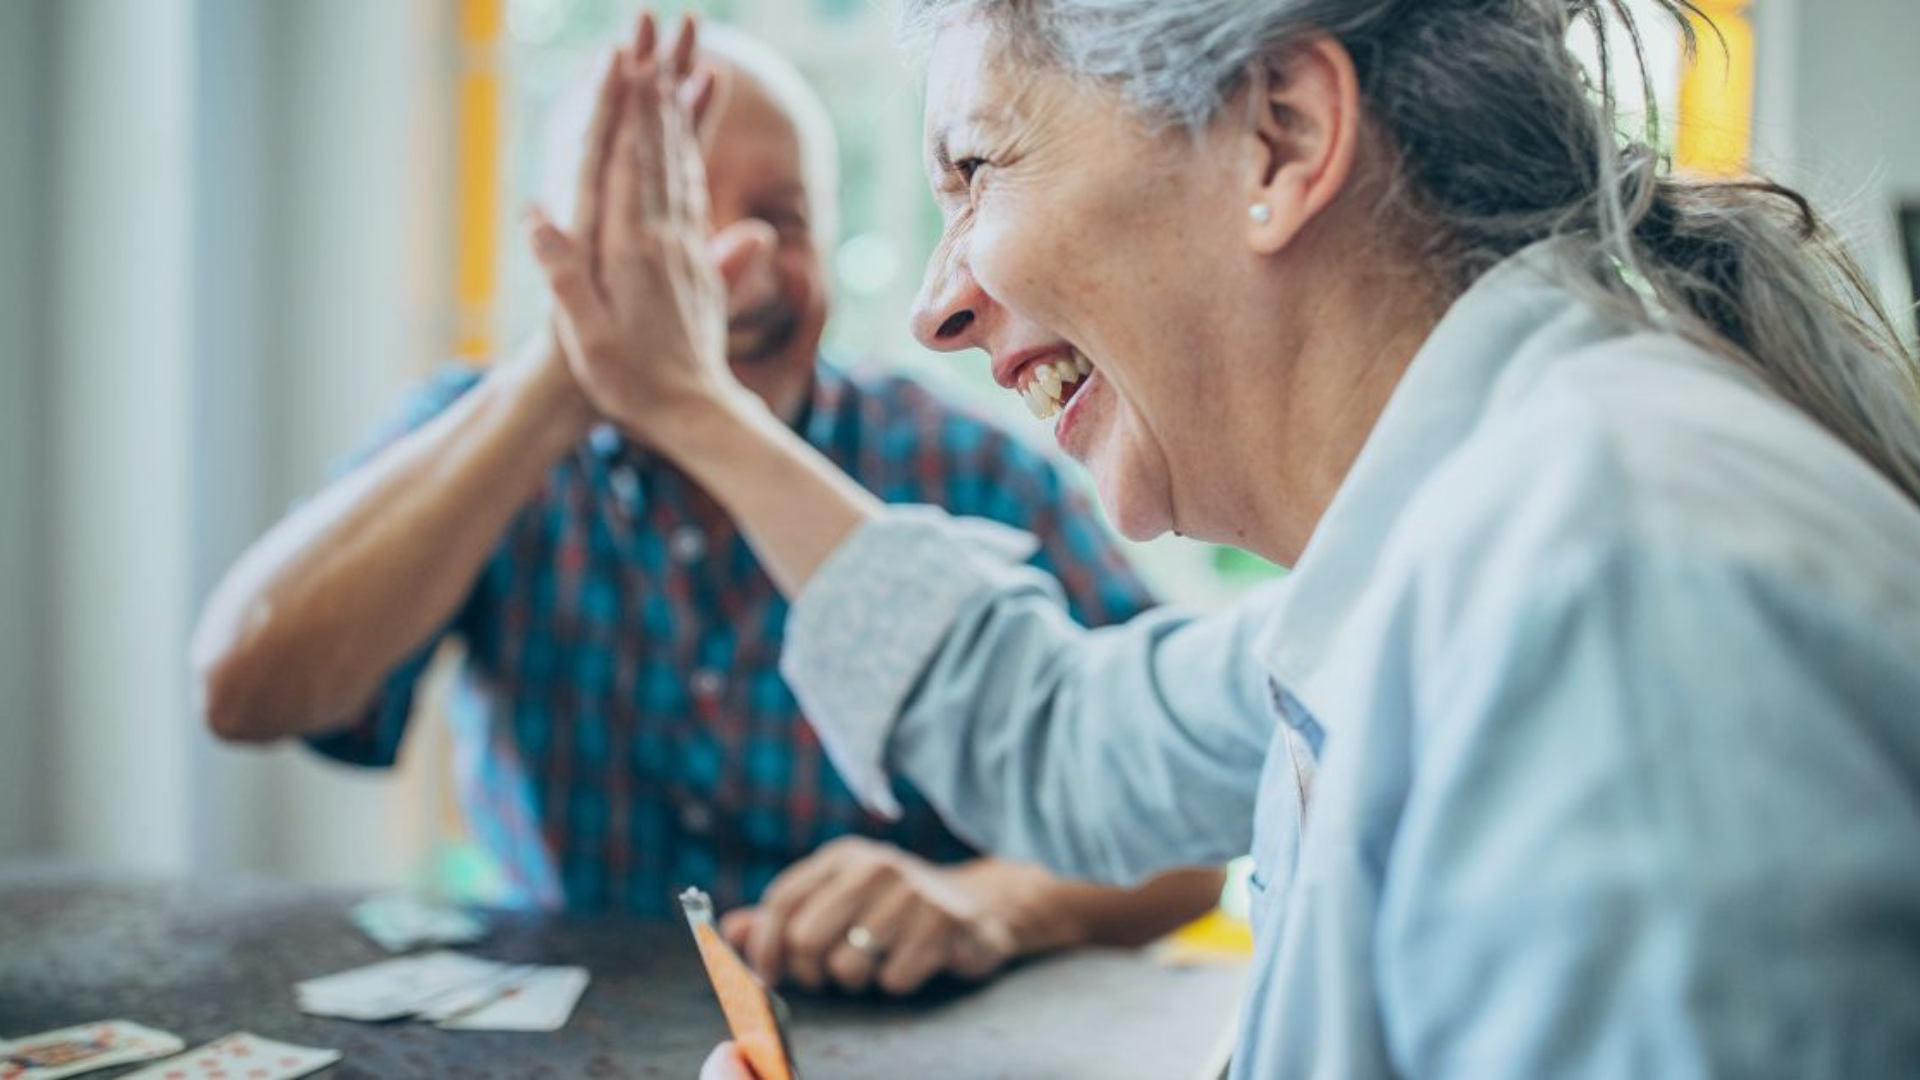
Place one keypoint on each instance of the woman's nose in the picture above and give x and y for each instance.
(947, 313)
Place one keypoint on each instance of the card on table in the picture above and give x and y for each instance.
(241, 1056)
(82, 1049)
(538, 999)
(398, 921)
(394, 988)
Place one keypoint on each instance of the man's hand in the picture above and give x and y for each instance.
(858, 913)
(641, 306)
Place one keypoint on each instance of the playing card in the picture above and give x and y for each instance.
(393, 988)
(467, 998)
(398, 921)
(539, 999)
(82, 1049)
(241, 1056)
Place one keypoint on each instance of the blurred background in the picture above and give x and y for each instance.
(233, 231)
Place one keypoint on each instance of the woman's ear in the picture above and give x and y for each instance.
(1303, 130)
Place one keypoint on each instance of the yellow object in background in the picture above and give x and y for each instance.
(1715, 136)
(1212, 938)
(477, 178)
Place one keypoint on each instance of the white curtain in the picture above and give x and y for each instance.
(224, 256)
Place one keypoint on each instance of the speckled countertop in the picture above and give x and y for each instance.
(204, 959)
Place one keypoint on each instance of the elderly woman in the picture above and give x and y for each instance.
(1595, 734)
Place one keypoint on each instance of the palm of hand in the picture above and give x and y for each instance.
(640, 310)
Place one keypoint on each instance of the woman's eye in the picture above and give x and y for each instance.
(968, 168)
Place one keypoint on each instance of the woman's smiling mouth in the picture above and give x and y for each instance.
(1047, 385)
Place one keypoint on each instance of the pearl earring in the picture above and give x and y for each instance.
(1260, 212)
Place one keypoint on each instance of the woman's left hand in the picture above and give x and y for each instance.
(641, 308)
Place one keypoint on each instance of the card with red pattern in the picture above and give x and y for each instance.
(82, 1049)
(241, 1056)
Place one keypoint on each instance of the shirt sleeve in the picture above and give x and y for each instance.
(1663, 824)
(924, 643)
(372, 739)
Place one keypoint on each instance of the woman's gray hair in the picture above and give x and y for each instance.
(1503, 139)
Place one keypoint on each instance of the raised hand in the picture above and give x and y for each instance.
(641, 308)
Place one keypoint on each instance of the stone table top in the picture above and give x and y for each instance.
(202, 959)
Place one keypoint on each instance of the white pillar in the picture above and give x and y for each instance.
(23, 370)
(119, 347)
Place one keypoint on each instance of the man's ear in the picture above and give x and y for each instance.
(1303, 130)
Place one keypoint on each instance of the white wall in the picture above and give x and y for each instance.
(1839, 86)
(22, 824)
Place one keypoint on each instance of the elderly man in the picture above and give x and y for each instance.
(621, 726)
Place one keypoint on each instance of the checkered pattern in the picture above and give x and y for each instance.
(622, 730)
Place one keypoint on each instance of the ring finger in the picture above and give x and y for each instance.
(853, 968)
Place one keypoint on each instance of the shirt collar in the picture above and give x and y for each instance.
(1452, 382)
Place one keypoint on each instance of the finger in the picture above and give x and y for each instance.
(688, 172)
(820, 925)
(726, 1063)
(644, 33)
(704, 96)
(886, 915)
(592, 181)
(777, 906)
(977, 952)
(742, 253)
(564, 264)
(685, 174)
(849, 968)
(737, 924)
(636, 185)
(919, 953)
(681, 53)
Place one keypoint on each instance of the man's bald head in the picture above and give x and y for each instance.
(772, 174)
(742, 64)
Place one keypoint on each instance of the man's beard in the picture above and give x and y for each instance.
(762, 333)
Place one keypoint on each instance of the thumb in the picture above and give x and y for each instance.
(563, 262)
(743, 254)
(726, 1063)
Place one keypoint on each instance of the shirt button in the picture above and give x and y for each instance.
(707, 683)
(626, 485)
(696, 818)
(687, 545)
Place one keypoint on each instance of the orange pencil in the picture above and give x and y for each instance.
(755, 1014)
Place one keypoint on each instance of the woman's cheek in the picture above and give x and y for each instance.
(1013, 257)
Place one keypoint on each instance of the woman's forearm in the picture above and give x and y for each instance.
(792, 504)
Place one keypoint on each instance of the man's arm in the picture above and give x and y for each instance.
(297, 636)
(295, 639)
(861, 913)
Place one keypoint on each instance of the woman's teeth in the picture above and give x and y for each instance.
(1050, 383)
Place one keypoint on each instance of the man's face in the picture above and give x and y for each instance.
(754, 172)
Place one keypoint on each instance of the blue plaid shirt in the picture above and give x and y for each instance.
(621, 727)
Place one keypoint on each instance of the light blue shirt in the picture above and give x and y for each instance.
(1597, 749)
